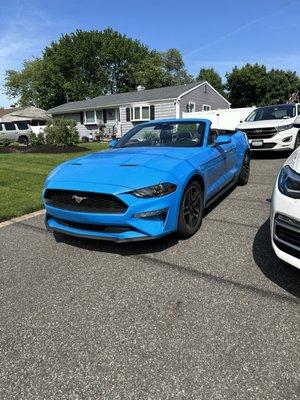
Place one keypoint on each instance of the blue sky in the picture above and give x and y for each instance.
(220, 33)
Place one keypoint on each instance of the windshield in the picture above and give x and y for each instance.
(272, 112)
(162, 134)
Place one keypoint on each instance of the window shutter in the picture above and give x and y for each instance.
(128, 114)
(152, 112)
(81, 117)
(104, 116)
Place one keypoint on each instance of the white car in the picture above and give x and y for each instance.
(15, 131)
(285, 212)
(273, 128)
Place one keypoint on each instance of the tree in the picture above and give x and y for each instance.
(163, 69)
(173, 65)
(212, 77)
(25, 84)
(253, 85)
(86, 64)
(246, 85)
(279, 86)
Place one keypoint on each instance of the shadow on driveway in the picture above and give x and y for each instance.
(284, 275)
(123, 249)
(269, 155)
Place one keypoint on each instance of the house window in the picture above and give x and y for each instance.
(111, 114)
(99, 115)
(145, 113)
(191, 106)
(90, 117)
(140, 113)
(206, 107)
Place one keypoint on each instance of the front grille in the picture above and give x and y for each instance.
(287, 249)
(260, 133)
(287, 235)
(84, 201)
(264, 146)
(96, 228)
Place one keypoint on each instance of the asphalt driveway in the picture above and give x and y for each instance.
(212, 317)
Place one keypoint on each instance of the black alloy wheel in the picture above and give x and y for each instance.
(245, 170)
(191, 210)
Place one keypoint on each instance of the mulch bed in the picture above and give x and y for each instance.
(47, 149)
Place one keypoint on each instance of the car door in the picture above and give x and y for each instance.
(230, 150)
(10, 130)
(214, 166)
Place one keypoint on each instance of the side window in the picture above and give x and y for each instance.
(298, 109)
(22, 126)
(212, 136)
(9, 126)
(0, 127)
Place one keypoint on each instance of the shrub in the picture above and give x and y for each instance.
(36, 140)
(5, 142)
(62, 132)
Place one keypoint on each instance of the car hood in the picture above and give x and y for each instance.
(128, 168)
(266, 124)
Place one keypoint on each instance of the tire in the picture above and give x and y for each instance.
(23, 140)
(191, 210)
(85, 139)
(245, 171)
(297, 142)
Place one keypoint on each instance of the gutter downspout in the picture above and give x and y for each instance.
(177, 107)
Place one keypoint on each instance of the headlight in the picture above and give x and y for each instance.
(289, 182)
(284, 127)
(155, 191)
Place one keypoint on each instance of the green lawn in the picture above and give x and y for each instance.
(22, 177)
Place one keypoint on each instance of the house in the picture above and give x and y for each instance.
(118, 113)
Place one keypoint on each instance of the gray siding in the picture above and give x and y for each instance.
(165, 110)
(203, 95)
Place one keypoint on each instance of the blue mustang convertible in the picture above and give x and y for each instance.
(157, 179)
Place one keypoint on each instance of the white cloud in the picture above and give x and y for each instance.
(241, 28)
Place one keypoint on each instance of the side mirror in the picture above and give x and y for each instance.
(241, 121)
(112, 143)
(222, 139)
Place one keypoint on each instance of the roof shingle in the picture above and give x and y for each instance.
(169, 92)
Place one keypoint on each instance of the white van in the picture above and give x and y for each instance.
(15, 131)
(273, 128)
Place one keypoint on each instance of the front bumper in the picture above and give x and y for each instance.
(285, 227)
(277, 142)
(131, 225)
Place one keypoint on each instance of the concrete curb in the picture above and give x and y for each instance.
(22, 218)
